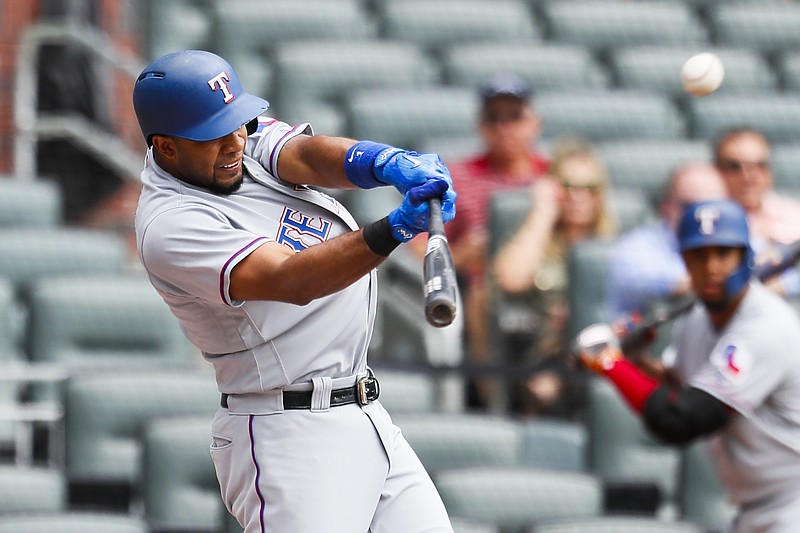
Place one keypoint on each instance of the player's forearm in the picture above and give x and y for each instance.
(317, 160)
(278, 274)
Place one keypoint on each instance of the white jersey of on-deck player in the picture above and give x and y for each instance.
(190, 240)
(753, 366)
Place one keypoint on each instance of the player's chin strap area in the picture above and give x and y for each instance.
(365, 389)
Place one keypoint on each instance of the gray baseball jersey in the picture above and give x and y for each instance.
(753, 366)
(342, 469)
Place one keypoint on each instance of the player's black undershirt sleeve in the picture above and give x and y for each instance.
(678, 417)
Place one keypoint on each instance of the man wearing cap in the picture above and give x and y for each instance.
(509, 127)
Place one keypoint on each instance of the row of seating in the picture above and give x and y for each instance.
(233, 25)
(145, 436)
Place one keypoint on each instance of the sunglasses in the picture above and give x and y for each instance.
(500, 118)
(737, 165)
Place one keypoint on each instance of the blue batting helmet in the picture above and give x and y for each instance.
(719, 223)
(194, 95)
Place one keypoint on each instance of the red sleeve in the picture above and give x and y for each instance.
(635, 385)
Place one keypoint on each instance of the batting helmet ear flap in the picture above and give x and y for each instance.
(252, 126)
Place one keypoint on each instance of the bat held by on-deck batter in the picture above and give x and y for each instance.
(641, 333)
(439, 276)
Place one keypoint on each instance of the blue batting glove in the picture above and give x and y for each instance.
(404, 170)
(413, 216)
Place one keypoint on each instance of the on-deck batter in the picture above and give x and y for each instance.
(275, 284)
(736, 368)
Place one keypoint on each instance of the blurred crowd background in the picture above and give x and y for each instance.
(572, 146)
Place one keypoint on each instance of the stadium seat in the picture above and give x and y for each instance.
(103, 323)
(641, 474)
(646, 165)
(31, 490)
(404, 116)
(789, 70)
(29, 253)
(587, 264)
(174, 25)
(605, 115)
(604, 25)
(406, 392)
(630, 207)
(516, 497)
(29, 203)
(615, 524)
(328, 70)
(454, 147)
(72, 522)
(444, 22)
(179, 486)
(105, 414)
(546, 66)
(776, 114)
(786, 167)
(767, 27)
(447, 441)
(471, 526)
(701, 497)
(657, 68)
(554, 444)
(256, 26)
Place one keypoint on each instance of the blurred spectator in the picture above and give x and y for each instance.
(645, 262)
(568, 207)
(510, 127)
(743, 157)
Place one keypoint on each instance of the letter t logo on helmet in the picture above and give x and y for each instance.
(220, 81)
(707, 216)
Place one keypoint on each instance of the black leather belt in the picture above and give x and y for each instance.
(366, 390)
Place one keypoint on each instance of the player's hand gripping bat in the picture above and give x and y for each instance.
(439, 274)
(640, 334)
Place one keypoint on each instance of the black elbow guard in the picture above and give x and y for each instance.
(682, 417)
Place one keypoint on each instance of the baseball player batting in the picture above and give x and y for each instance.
(736, 372)
(275, 283)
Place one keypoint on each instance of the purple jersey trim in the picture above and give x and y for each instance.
(273, 155)
(222, 272)
(258, 474)
(263, 123)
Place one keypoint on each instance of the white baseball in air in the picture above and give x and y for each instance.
(702, 74)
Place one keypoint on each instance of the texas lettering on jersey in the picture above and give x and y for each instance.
(299, 231)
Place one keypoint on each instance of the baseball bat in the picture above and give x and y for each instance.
(642, 332)
(438, 273)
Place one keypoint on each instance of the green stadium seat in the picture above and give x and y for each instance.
(786, 167)
(606, 115)
(789, 70)
(174, 25)
(646, 165)
(179, 486)
(604, 25)
(105, 415)
(546, 66)
(445, 441)
(103, 323)
(29, 203)
(626, 457)
(444, 22)
(31, 490)
(554, 444)
(471, 526)
(768, 27)
(404, 116)
(516, 497)
(404, 392)
(657, 68)
(26, 254)
(776, 114)
(257, 27)
(587, 263)
(701, 496)
(630, 207)
(615, 524)
(72, 522)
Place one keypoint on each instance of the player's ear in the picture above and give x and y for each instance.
(164, 145)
